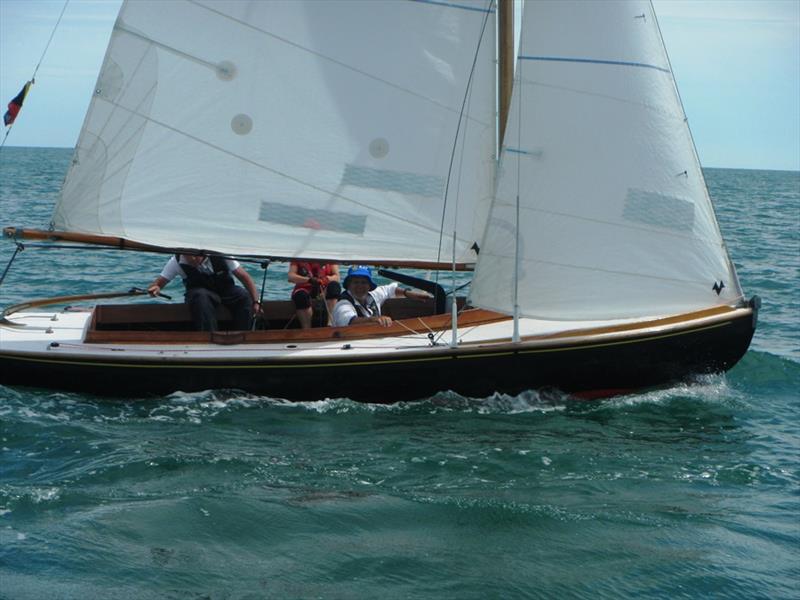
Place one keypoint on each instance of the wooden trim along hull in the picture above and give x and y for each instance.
(590, 363)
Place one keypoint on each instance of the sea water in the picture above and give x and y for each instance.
(687, 492)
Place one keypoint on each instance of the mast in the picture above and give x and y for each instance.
(505, 66)
(505, 63)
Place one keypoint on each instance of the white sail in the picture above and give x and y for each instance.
(290, 128)
(614, 216)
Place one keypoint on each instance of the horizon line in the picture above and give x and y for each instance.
(702, 166)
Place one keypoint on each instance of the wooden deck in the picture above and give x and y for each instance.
(171, 324)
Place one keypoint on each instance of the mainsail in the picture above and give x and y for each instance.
(291, 128)
(598, 163)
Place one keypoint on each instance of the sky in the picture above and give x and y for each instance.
(736, 62)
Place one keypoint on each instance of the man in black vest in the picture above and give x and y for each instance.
(209, 283)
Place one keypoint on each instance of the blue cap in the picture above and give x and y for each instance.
(359, 271)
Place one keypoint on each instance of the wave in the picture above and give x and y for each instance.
(758, 374)
(208, 406)
(764, 373)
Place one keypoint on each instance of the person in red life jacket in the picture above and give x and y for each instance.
(209, 283)
(362, 299)
(312, 280)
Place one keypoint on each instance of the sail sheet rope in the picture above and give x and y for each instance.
(39, 64)
(467, 94)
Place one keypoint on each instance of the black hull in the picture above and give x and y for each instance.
(591, 369)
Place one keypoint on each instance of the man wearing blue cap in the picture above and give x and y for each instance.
(362, 299)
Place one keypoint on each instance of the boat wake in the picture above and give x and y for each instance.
(734, 390)
(199, 407)
(711, 389)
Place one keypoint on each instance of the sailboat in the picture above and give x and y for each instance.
(368, 133)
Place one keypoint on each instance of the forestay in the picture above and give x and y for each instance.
(614, 216)
(293, 128)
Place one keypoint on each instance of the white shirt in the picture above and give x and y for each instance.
(172, 269)
(344, 312)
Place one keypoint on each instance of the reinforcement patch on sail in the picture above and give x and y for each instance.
(310, 218)
(652, 208)
(394, 181)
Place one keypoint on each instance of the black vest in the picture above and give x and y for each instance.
(372, 306)
(219, 281)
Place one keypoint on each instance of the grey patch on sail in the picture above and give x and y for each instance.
(379, 148)
(226, 70)
(110, 82)
(310, 218)
(242, 124)
(431, 186)
(656, 209)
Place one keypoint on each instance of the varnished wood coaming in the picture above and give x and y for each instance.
(407, 326)
(638, 325)
(417, 325)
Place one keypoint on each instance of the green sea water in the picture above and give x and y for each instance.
(687, 492)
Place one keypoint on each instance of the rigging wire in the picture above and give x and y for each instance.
(515, 335)
(19, 249)
(32, 80)
(458, 130)
(58, 22)
(467, 96)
